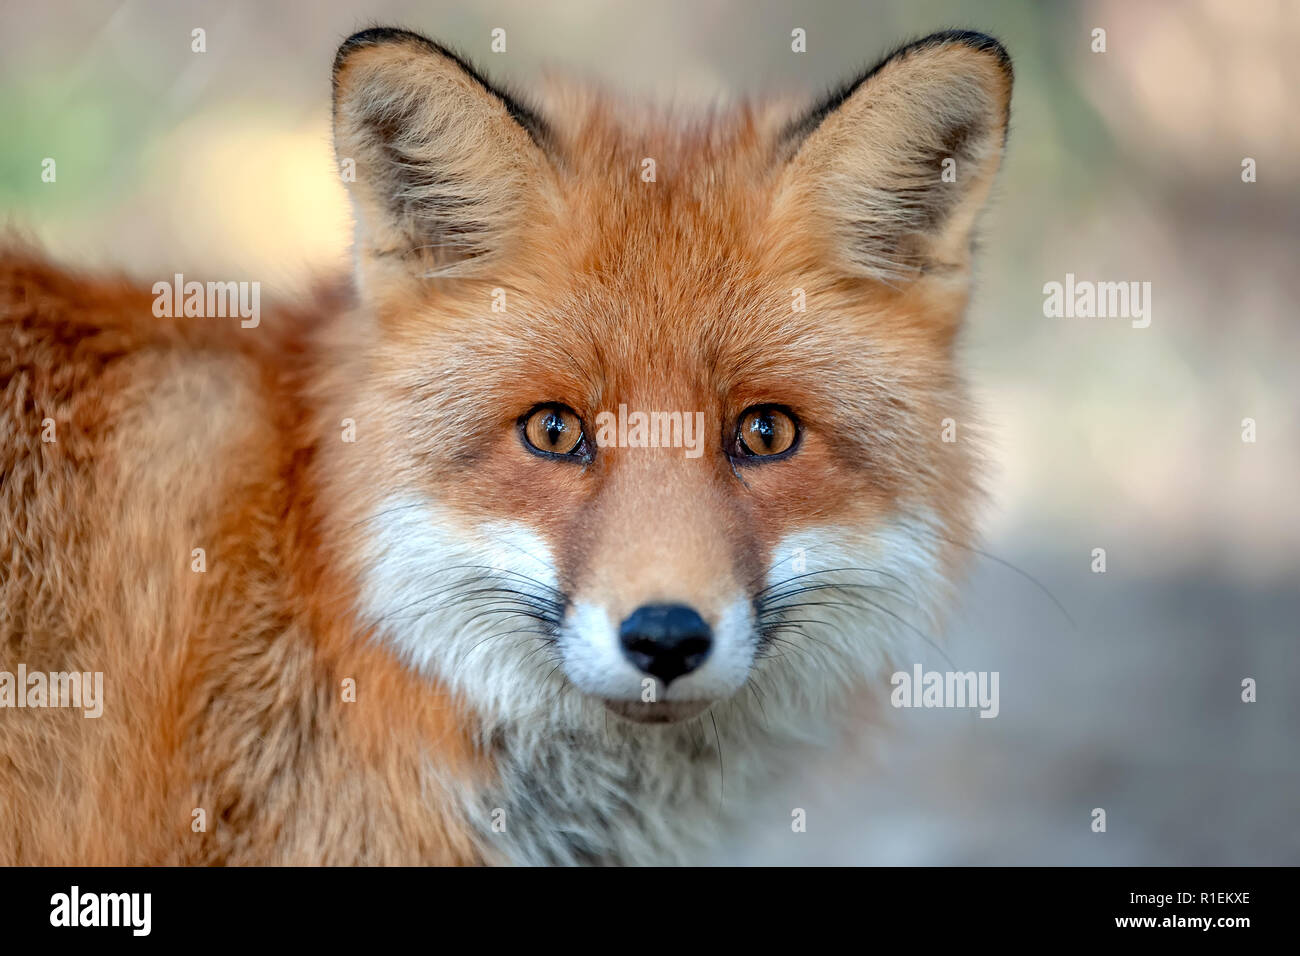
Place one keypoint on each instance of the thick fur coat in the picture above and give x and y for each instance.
(396, 645)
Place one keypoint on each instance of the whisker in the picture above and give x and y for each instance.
(843, 585)
(798, 577)
(722, 773)
(1010, 567)
(536, 635)
(385, 513)
(758, 699)
(877, 607)
(542, 604)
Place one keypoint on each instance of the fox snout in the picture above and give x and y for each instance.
(666, 641)
(661, 612)
(660, 655)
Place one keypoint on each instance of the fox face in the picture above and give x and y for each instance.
(658, 414)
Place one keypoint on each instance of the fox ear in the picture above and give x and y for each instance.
(896, 164)
(446, 168)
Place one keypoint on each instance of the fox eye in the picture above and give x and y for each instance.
(556, 430)
(766, 431)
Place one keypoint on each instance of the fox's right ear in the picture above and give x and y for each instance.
(445, 168)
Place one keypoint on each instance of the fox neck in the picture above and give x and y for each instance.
(616, 793)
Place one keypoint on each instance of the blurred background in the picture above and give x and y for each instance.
(1124, 166)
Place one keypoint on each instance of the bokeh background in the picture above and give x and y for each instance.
(1123, 165)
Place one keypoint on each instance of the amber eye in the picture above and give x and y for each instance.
(554, 430)
(766, 431)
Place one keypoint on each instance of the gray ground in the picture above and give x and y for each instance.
(1137, 710)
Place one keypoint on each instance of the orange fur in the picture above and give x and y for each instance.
(224, 687)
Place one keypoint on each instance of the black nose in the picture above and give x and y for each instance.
(666, 640)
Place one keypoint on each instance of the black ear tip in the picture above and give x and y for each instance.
(968, 38)
(980, 42)
(378, 36)
(385, 36)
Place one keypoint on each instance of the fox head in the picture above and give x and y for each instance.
(655, 414)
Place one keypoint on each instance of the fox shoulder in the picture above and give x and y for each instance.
(106, 413)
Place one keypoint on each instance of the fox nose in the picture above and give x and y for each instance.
(666, 640)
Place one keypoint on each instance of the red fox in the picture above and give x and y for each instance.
(614, 478)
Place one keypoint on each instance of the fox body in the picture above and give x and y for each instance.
(363, 585)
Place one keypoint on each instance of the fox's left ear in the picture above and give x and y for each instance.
(893, 168)
(447, 169)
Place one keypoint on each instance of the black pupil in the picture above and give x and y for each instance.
(762, 427)
(554, 425)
